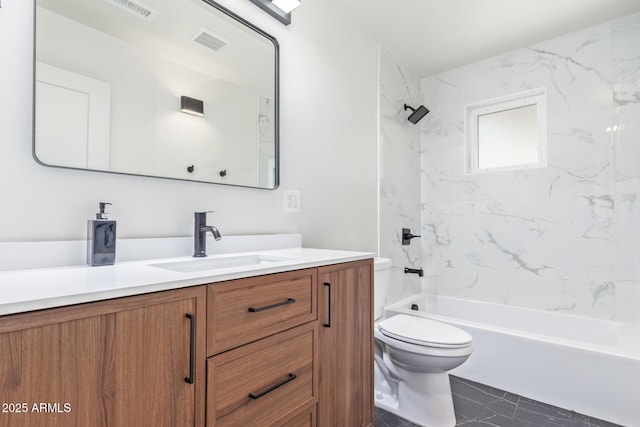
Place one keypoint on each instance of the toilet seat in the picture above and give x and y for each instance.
(424, 332)
(393, 344)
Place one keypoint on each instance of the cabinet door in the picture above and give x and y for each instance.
(346, 344)
(122, 362)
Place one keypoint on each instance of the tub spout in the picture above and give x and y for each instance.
(417, 271)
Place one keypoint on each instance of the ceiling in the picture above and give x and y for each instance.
(170, 34)
(430, 36)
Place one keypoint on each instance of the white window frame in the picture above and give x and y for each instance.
(537, 97)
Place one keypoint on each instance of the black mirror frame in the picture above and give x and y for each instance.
(240, 20)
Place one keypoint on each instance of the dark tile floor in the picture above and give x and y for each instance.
(480, 405)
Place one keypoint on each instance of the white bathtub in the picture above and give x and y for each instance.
(587, 365)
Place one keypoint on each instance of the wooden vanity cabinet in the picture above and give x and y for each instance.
(262, 336)
(324, 340)
(345, 396)
(122, 362)
(291, 349)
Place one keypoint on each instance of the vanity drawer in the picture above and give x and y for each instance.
(305, 418)
(263, 383)
(245, 310)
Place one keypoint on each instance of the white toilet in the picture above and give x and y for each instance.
(412, 358)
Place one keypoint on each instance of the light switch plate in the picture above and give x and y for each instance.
(291, 201)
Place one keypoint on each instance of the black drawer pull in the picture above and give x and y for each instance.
(269, 307)
(259, 394)
(328, 323)
(192, 344)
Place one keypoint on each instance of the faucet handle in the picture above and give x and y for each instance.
(407, 236)
(204, 212)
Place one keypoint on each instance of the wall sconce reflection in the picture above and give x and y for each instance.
(191, 106)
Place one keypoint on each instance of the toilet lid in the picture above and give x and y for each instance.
(426, 332)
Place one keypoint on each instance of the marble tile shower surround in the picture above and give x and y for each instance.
(565, 237)
(399, 174)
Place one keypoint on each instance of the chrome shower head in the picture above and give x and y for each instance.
(417, 113)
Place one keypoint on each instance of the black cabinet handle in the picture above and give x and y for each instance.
(328, 324)
(269, 389)
(192, 346)
(269, 307)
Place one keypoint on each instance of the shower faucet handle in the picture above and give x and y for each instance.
(407, 236)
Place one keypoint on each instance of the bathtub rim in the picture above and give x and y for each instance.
(402, 307)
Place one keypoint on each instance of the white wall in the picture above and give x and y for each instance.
(565, 237)
(328, 147)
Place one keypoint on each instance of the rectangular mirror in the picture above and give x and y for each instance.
(113, 75)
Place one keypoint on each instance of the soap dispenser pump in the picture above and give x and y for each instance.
(102, 239)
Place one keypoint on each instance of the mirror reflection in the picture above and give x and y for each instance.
(111, 81)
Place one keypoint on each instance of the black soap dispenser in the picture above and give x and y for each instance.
(102, 239)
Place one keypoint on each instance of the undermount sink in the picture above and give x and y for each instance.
(204, 264)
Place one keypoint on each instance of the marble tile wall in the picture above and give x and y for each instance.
(565, 237)
(399, 174)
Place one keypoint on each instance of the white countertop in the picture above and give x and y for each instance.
(39, 288)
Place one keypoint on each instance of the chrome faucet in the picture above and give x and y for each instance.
(200, 234)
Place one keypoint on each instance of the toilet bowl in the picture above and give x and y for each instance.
(412, 358)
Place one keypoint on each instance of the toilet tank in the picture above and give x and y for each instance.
(381, 278)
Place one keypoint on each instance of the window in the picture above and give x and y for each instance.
(507, 133)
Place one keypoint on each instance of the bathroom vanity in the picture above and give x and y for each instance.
(286, 343)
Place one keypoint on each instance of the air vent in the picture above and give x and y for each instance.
(135, 7)
(211, 40)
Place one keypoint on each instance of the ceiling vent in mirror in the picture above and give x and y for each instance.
(211, 40)
(141, 10)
